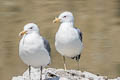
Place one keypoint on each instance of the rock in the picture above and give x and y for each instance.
(60, 74)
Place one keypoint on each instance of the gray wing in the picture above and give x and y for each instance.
(80, 33)
(80, 37)
(47, 45)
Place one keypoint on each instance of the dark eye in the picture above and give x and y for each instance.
(31, 27)
(64, 16)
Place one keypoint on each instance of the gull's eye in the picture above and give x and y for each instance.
(31, 27)
(64, 16)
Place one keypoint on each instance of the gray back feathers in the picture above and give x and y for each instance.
(47, 46)
(80, 33)
(80, 37)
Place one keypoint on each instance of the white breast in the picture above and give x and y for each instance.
(67, 41)
(32, 51)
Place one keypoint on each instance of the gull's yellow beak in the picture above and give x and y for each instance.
(22, 33)
(56, 20)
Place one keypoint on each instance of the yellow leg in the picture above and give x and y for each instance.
(64, 63)
(78, 64)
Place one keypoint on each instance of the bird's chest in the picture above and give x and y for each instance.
(30, 45)
(67, 39)
(66, 36)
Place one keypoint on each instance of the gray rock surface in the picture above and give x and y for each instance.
(60, 74)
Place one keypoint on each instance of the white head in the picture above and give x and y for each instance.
(65, 17)
(29, 28)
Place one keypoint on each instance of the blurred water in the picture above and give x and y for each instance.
(99, 20)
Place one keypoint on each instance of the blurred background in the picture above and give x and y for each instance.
(99, 20)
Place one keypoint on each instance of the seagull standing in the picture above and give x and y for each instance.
(68, 39)
(34, 50)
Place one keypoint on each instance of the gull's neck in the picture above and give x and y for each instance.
(33, 33)
(37, 32)
(70, 24)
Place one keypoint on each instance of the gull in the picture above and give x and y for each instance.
(34, 50)
(68, 39)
